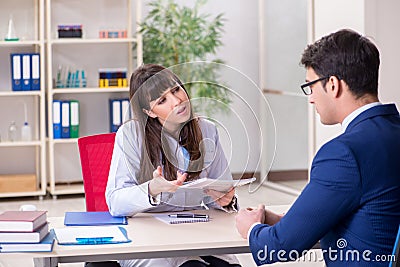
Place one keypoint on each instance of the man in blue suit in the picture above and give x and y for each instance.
(352, 202)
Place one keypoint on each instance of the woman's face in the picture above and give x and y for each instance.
(172, 107)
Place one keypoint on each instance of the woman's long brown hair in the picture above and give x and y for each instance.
(148, 83)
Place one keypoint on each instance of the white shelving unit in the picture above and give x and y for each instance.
(23, 157)
(89, 53)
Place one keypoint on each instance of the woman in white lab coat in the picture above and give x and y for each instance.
(163, 146)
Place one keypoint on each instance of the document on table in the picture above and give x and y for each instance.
(216, 184)
(178, 218)
(91, 235)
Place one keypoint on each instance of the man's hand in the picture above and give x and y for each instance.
(272, 218)
(247, 217)
(222, 198)
(159, 184)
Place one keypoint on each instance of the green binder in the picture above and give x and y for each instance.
(74, 118)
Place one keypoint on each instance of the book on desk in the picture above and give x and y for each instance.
(45, 245)
(22, 221)
(25, 237)
(25, 231)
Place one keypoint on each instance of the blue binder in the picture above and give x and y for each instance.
(82, 218)
(26, 72)
(35, 71)
(16, 72)
(125, 110)
(115, 114)
(65, 119)
(57, 119)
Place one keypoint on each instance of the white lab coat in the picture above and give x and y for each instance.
(125, 197)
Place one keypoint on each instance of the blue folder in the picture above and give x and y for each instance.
(35, 71)
(65, 117)
(57, 119)
(16, 72)
(115, 114)
(87, 218)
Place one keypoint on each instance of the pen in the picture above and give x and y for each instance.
(188, 215)
(93, 240)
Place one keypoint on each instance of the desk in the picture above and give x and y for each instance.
(152, 239)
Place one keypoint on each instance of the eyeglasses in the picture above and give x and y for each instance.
(307, 86)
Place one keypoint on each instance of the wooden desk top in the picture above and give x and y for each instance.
(152, 238)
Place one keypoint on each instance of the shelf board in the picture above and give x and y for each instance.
(67, 189)
(92, 40)
(23, 194)
(20, 43)
(20, 143)
(89, 90)
(65, 141)
(20, 93)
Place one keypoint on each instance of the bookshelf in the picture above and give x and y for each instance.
(23, 163)
(88, 53)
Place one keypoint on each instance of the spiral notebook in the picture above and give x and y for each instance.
(171, 220)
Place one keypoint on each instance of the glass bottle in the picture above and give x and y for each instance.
(12, 132)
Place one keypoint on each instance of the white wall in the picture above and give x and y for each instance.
(285, 33)
(240, 53)
(376, 19)
(286, 36)
(384, 32)
(331, 16)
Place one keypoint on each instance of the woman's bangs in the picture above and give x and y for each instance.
(157, 85)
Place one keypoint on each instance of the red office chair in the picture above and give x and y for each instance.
(95, 152)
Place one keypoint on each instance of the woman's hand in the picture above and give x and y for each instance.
(222, 198)
(159, 184)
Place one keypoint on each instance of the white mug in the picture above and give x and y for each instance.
(27, 207)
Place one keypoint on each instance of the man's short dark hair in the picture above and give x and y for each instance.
(347, 55)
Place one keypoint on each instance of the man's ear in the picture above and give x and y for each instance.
(150, 113)
(334, 86)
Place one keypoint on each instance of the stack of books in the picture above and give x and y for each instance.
(25, 231)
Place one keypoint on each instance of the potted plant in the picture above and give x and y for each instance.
(176, 35)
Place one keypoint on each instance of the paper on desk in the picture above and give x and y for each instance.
(169, 220)
(71, 235)
(215, 184)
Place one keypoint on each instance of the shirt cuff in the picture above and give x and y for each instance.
(251, 228)
(232, 206)
(154, 201)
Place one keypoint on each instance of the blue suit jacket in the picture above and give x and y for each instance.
(352, 202)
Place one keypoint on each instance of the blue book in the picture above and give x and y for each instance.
(46, 245)
(88, 218)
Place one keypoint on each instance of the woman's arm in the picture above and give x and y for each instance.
(124, 196)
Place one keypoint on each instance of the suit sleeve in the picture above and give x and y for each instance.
(333, 193)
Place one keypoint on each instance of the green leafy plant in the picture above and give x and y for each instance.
(176, 35)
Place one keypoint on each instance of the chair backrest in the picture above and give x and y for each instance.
(396, 252)
(95, 153)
